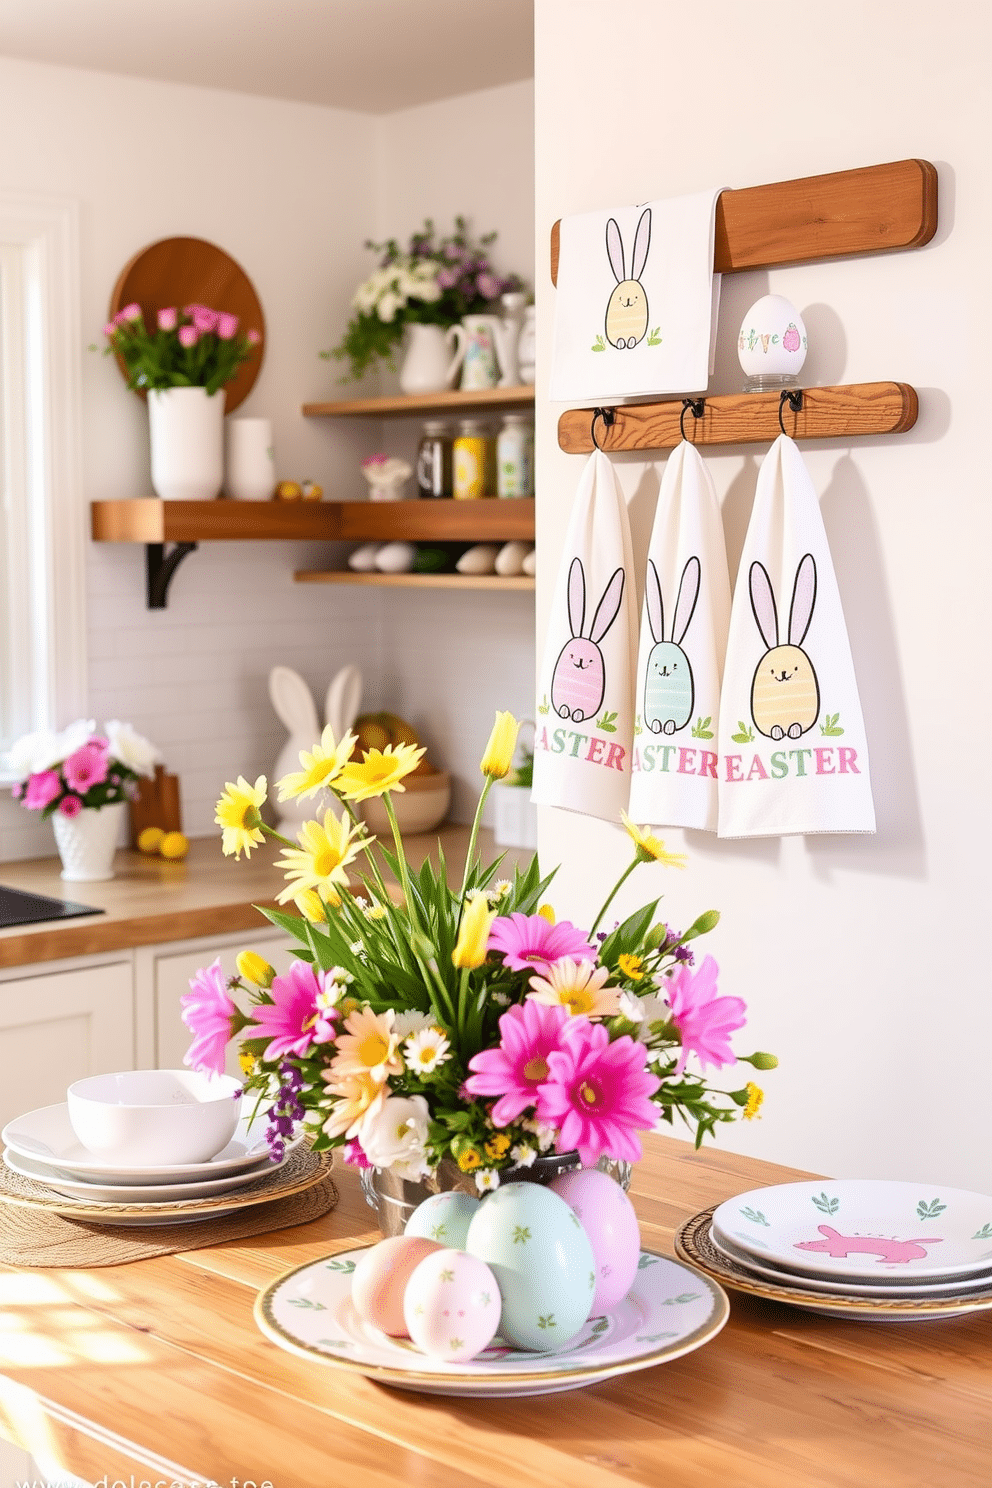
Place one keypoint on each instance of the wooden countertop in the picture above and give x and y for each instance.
(116, 1370)
(152, 902)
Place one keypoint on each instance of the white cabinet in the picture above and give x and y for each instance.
(59, 1023)
(162, 976)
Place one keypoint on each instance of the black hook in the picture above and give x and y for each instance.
(794, 398)
(609, 417)
(697, 405)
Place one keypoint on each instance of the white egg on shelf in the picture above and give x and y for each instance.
(395, 557)
(510, 559)
(362, 560)
(480, 559)
(771, 344)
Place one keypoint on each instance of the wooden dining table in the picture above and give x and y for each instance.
(155, 1373)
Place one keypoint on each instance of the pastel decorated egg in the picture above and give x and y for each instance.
(542, 1260)
(771, 342)
(444, 1217)
(608, 1218)
(380, 1277)
(452, 1305)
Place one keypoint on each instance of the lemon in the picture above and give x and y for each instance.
(174, 845)
(150, 839)
(288, 491)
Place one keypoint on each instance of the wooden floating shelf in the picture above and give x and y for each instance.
(874, 209)
(402, 406)
(148, 520)
(843, 412)
(520, 583)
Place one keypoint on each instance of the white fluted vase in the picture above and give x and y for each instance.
(87, 842)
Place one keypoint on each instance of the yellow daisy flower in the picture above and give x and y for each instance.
(380, 770)
(498, 755)
(320, 768)
(650, 848)
(631, 966)
(367, 1043)
(755, 1096)
(320, 861)
(239, 815)
(498, 1146)
(469, 1159)
(578, 987)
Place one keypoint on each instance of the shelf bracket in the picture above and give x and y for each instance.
(159, 568)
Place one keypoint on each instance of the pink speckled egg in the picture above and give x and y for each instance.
(452, 1306)
(380, 1279)
(608, 1218)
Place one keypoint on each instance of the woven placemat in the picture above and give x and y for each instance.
(36, 1227)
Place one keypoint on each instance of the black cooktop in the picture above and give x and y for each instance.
(19, 908)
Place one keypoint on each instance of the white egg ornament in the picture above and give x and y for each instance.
(542, 1260)
(444, 1217)
(452, 1306)
(771, 344)
(380, 1277)
(608, 1218)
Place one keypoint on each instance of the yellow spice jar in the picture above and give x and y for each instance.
(474, 461)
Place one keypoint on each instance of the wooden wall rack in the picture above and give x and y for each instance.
(873, 209)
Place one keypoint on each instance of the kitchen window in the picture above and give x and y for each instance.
(42, 513)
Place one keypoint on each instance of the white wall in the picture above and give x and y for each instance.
(862, 959)
(291, 191)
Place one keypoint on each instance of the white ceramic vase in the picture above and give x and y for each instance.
(87, 842)
(186, 427)
(251, 465)
(428, 363)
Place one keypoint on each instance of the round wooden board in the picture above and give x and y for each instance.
(184, 271)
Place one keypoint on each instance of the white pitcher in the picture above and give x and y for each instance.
(507, 332)
(476, 338)
(428, 365)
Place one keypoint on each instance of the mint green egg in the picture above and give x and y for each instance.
(444, 1217)
(542, 1260)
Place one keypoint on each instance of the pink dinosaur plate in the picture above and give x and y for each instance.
(862, 1227)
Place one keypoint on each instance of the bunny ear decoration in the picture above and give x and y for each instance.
(680, 657)
(584, 728)
(792, 746)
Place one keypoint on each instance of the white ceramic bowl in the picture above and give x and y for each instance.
(154, 1118)
(421, 807)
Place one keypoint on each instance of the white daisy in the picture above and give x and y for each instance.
(487, 1180)
(523, 1154)
(411, 1022)
(426, 1050)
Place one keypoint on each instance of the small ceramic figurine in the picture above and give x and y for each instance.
(386, 476)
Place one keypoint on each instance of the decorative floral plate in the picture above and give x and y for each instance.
(46, 1135)
(862, 1227)
(694, 1244)
(669, 1311)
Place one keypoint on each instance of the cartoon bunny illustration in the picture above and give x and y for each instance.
(785, 693)
(627, 311)
(578, 683)
(669, 689)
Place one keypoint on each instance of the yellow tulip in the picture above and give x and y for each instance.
(473, 933)
(255, 969)
(499, 752)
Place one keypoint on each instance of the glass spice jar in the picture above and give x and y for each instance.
(515, 456)
(473, 460)
(434, 461)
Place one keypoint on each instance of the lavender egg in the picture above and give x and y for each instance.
(607, 1216)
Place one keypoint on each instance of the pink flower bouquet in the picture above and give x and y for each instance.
(192, 346)
(462, 1022)
(80, 769)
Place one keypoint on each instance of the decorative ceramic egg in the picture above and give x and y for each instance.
(452, 1305)
(608, 1218)
(380, 1277)
(480, 559)
(542, 1260)
(445, 1218)
(395, 557)
(771, 345)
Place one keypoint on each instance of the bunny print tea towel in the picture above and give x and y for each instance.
(585, 710)
(793, 752)
(684, 623)
(637, 300)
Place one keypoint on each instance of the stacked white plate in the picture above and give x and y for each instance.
(855, 1247)
(42, 1146)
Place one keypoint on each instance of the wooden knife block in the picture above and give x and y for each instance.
(156, 805)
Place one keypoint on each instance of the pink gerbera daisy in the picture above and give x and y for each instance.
(598, 1093)
(290, 1021)
(41, 789)
(86, 767)
(208, 1011)
(704, 1020)
(529, 943)
(70, 806)
(515, 1069)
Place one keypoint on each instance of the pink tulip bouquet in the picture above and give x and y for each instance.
(189, 347)
(79, 769)
(436, 1021)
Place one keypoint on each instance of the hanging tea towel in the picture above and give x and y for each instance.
(684, 623)
(585, 712)
(793, 753)
(637, 300)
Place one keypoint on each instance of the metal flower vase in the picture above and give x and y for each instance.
(394, 1199)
